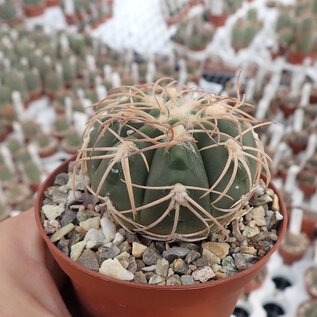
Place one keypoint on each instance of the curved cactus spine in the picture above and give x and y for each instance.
(170, 162)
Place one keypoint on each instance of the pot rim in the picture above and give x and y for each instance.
(213, 283)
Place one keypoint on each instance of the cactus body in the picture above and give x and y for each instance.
(170, 162)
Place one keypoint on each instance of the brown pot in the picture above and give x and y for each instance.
(48, 152)
(3, 135)
(35, 95)
(287, 109)
(298, 58)
(309, 224)
(217, 20)
(289, 257)
(108, 297)
(34, 11)
(297, 146)
(52, 3)
(308, 188)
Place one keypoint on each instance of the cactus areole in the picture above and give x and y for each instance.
(171, 162)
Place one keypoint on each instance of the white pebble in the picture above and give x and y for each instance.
(62, 232)
(52, 212)
(113, 268)
(108, 228)
(118, 238)
(90, 223)
(94, 238)
(77, 249)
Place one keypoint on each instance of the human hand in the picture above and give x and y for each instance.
(30, 278)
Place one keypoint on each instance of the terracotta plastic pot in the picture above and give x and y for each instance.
(298, 58)
(308, 188)
(107, 297)
(309, 224)
(52, 3)
(34, 11)
(217, 20)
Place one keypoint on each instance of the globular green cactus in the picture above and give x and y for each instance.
(304, 37)
(33, 81)
(8, 11)
(171, 162)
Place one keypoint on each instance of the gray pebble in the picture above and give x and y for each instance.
(160, 246)
(202, 261)
(150, 257)
(174, 280)
(63, 245)
(125, 246)
(191, 256)
(61, 179)
(187, 280)
(228, 265)
(243, 260)
(140, 264)
(108, 252)
(68, 217)
(89, 260)
(174, 253)
(132, 267)
(139, 277)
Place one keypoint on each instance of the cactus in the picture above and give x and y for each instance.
(33, 81)
(283, 21)
(16, 82)
(5, 96)
(77, 44)
(52, 82)
(32, 2)
(32, 172)
(8, 11)
(171, 162)
(304, 35)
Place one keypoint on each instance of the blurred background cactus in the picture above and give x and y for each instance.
(170, 162)
(245, 30)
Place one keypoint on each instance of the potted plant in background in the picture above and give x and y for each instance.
(155, 196)
(33, 8)
(9, 14)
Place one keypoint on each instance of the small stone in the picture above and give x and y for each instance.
(150, 256)
(89, 260)
(220, 275)
(187, 280)
(77, 249)
(58, 196)
(216, 267)
(61, 179)
(270, 192)
(138, 249)
(157, 280)
(91, 223)
(243, 261)
(174, 253)
(118, 238)
(75, 237)
(52, 212)
(124, 259)
(220, 249)
(131, 237)
(258, 215)
(113, 268)
(262, 200)
(108, 252)
(228, 265)
(190, 246)
(160, 246)
(212, 257)
(191, 256)
(201, 262)
(260, 191)
(94, 238)
(125, 246)
(248, 250)
(63, 245)
(203, 274)
(170, 272)
(275, 203)
(139, 277)
(192, 267)
(62, 232)
(82, 214)
(162, 267)
(250, 232)
(108, 228)
(150, 268)
(179, 266)
(68, 217)
(174, 280)
(51, 226)
(133, 267)
(140, 264)
(74, 197)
